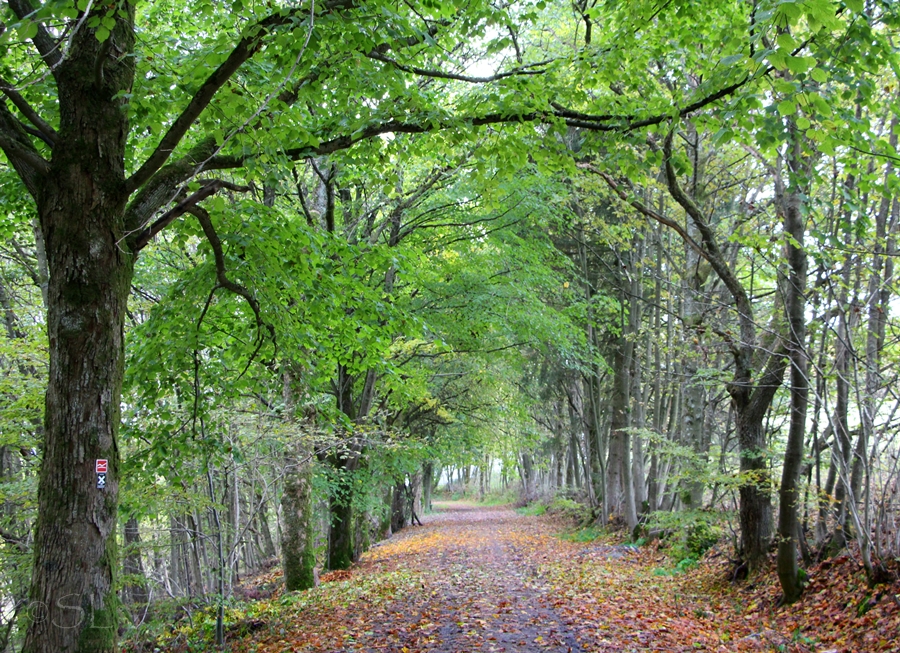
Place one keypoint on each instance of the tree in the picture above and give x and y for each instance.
(114, 148)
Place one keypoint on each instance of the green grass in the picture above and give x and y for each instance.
(587, 534)
(534, 510)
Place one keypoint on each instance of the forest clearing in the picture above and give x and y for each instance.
(476, 578)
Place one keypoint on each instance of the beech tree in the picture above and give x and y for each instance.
(121, 118)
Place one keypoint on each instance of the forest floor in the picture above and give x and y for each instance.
(488, 579)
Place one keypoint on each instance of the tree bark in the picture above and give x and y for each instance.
(427, 481)
(399, 505)
(298, 535)
(795, 306)
(135, 587)
(298, 531)
(81, 205)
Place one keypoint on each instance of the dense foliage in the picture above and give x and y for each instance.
(289, 267)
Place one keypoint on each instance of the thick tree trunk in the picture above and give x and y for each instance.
(81, 204)
(528, 478)
(340, 540)
(297, 538)
(298, 531)
(415, 491)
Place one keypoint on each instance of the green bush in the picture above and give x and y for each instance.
(689, 533)
(570, 509)
(701, 536)
(588, 534)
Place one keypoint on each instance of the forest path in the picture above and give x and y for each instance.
(475, 578)
(480, 586)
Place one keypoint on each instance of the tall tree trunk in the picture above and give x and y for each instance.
(298, 534)
(135, 585)
(751, 394)
(81, 205)
(618, 472)
(298, 530)
(427, 482)
(399, 504)
(788, 201)
(262, 517)
(340, 541)
(528, 477)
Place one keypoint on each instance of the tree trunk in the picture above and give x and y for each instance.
(135, 585)
(81, 205)
(262, 517)
(399, 505)
(298, 531)
(341, 550)
(427, 483)
(528, 480)
(795, 306)
(751, 394)
(415, 491)
(619, 440)
(297, 538)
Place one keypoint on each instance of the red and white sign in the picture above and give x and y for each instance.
(102, 466)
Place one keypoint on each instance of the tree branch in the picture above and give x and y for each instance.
(209, 188)
(714, 254)
(646, 210)
(48, 133)
(20, 151)
(424, 72)
(224, 282)
(45, 44)
(162, 185)
(248, 46)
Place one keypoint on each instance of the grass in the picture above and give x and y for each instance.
(534, 510)
(587, 534)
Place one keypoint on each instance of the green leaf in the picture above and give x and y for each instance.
(28, 31)
(786, 41)
(102, 34)
(797, 65)
(819, 75)
(787, 108)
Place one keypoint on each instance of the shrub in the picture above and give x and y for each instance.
(689, 533)
(570, 510)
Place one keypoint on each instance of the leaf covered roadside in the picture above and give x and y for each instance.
(491, 580)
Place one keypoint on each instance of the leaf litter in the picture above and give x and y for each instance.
(487, 579)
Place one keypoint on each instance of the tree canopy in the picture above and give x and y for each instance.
(293, 263)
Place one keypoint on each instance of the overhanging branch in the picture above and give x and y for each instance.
(209, 188)
(439, 74)
(646, 210)
(224, 282)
